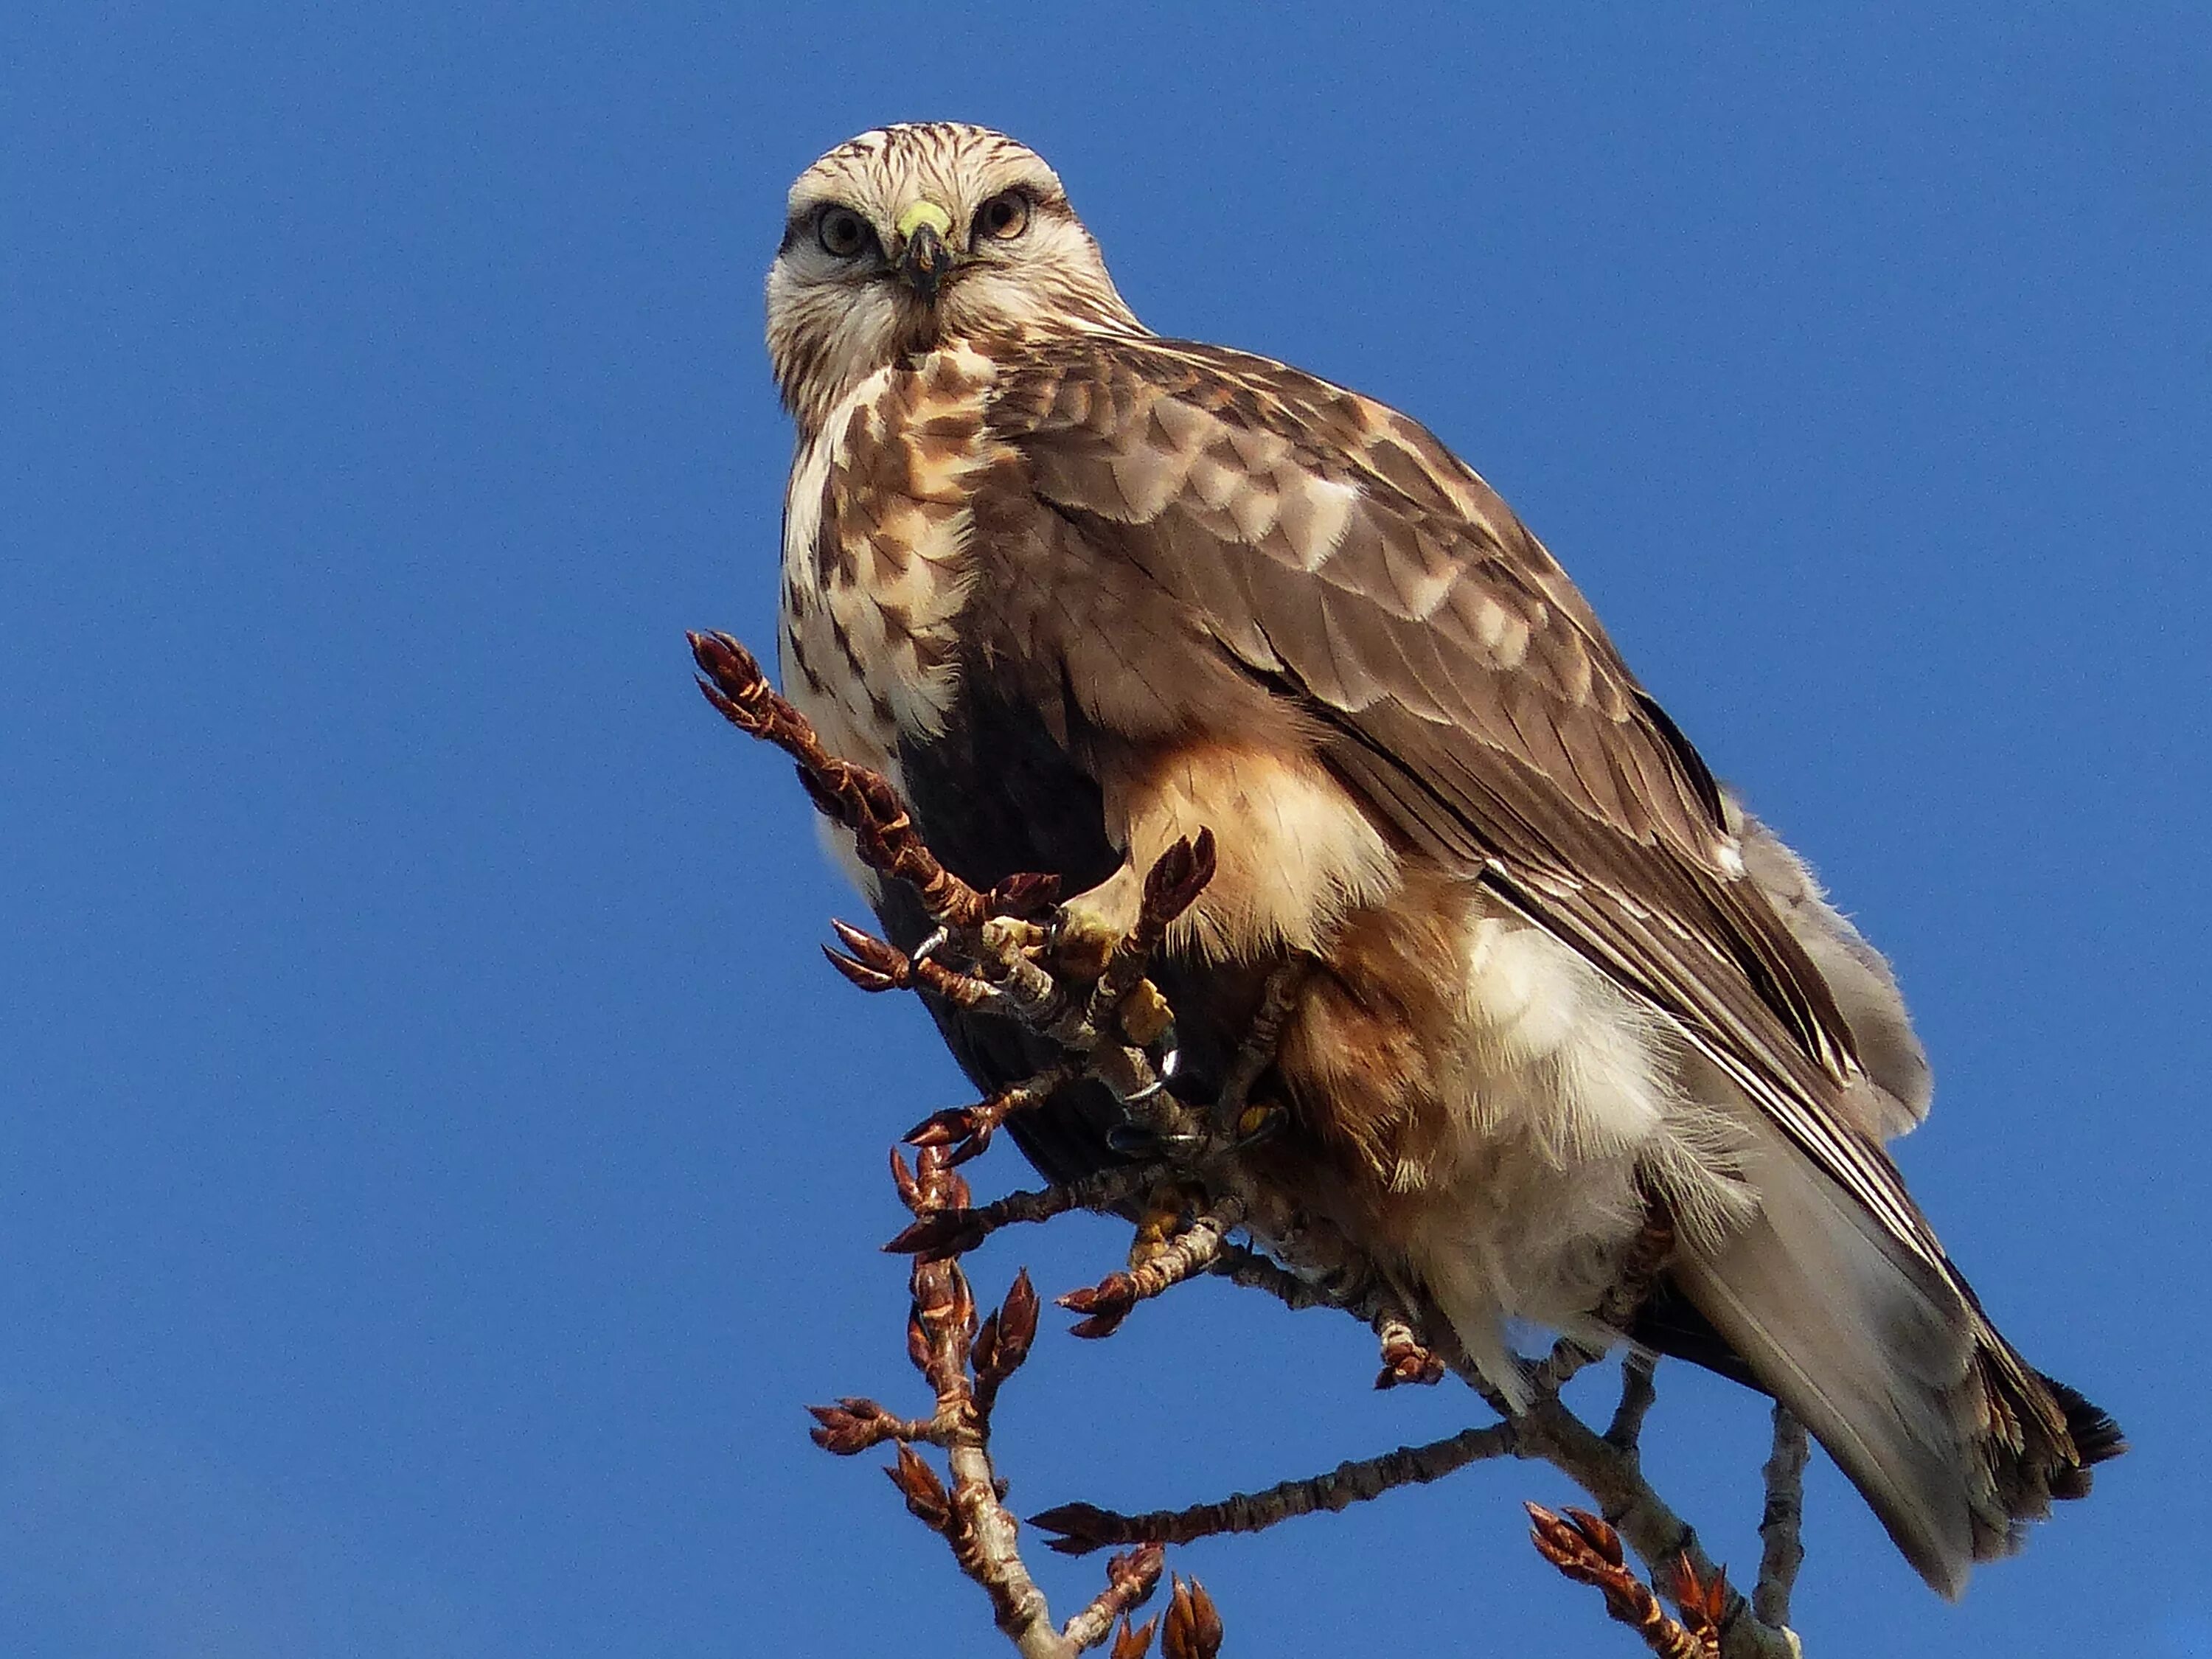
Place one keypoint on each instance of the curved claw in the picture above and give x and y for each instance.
(1133, 1140)
(929, 946)
(1157, 1086)
(1257, 1122)
(1163, 1068)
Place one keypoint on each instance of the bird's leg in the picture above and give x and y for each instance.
(1165, 1211)
(1234, 1111)
(1088, 928)
(1646, 1258)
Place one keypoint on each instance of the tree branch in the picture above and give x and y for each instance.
(1781, 1549)
(966, 1362)
(1085, 1527)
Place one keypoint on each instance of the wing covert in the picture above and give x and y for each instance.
(1338, 551)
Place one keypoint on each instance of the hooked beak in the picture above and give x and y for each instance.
(925, 257)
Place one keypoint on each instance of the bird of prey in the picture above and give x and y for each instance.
(1080, 590)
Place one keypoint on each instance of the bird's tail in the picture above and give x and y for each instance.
(1953, 1438)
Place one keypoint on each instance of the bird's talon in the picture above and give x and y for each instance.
(1145, 1017)
(1259, 1121)
(1157, 1086)
(1133, 1140)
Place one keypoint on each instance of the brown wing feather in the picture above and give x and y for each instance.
(1323, 554)
(1339, 549)
(1345, 560)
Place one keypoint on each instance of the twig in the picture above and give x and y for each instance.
(1362, 1297)
(967, 1130)
(1129, 1580)
(1194, 1249)
(861, 800)
(1781, 1550)
(959, 1228)
(1085, 1527)
(1614, 1478)
(966, 1362)
(1638, 1394)
(1585, 1549)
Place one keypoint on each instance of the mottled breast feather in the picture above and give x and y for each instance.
(877, 567)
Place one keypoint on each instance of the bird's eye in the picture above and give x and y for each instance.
(1002, 218)
(841, 232)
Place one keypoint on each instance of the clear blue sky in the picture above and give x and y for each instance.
(435, 1166)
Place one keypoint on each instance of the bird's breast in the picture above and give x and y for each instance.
(878, 524)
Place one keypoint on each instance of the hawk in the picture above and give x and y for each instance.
(1080, 590)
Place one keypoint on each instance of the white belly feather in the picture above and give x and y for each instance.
(1565, 1090)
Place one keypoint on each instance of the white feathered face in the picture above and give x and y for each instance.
(913, 234)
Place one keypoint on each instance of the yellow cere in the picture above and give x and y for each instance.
(924, 212)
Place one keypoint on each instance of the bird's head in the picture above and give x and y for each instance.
(913, 234)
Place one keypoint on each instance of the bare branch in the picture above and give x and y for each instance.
(965, 1361)
(1084, 1526)
(859, 800)
(1191, 1251)
(1781, 1549)
(1130, 1579)
(955, 1230)
(967, 1130)
(1638, 1394)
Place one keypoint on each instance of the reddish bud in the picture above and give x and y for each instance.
(958, 1313)
(859, 973)
(1130, 1644)
(945, 1233)
(924, 1493)
(1017, 1323)
(1108, 1303)
(1136, 1572)
(1178, 876)
(871, 964)
(1703, 1605)
(945, 1128)
(910, 1189)
(1031, 896)
(849, 1426)
(1194, 1622)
